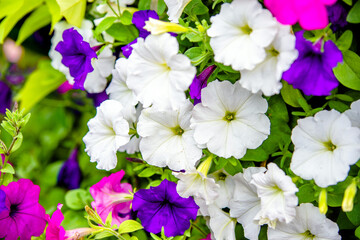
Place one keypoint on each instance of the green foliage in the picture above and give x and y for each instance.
(73, 10)
(129, 226)
(354, 14)
(77, 199)
(345, 40)
(123, 33)
(348, 73)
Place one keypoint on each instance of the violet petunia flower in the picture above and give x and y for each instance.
(2, 201)
(139, 19)
(70, 174)
(127, 49)
(5, 97)
(112, 196)
(24, 216)
(337, 16)
(77, 55)
(199, 83)
(98, 98)
(162, 206)
(312, 70)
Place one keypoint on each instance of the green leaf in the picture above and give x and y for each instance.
(193, 37)
(38, 19)
(348, 2)
(9, 128)
(161, 7)
(354, 215)
(233, 169)
(348, 73)
(73, 11)
(306, 193)
(9, 22)
(144, 4)
(196, 7)
(339, 106)
(18, 142)
(104, 25)
(8, 169)
(72, 220)
(123, 33)
(103, 235)
(108, 220)
(54, 10)
(354, 13)
(8, 7)
(345, 40)
(7, 179)
(290, 95)
(257, 155)
(39, 84)
(76, 199)
(155, 237)
(126, 18)
(129, 226)
(196, 55)
(357, 232)
(147, 172)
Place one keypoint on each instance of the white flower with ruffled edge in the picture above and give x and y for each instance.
(175, 9)
(108, 130)
(277, 193)
(325, 147)
(157, 73)
(266, 76)
(167, 139)
(309, 223)
(226, 190)
(240, 33)
(222, 226)
(246, 204)
(230, 119)
(354, 113)
(118, 89)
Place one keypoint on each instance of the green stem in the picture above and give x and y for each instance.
(199, 229)
(117, 15)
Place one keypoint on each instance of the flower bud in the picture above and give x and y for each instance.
(323, 201)
(205, 165)
(157, 27)
(349, 195)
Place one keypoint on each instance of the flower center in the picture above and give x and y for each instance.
(308, 235)
(177, 130)
(229, 116)
(330, 146)
(13, 209)
(246, 29)
(273, 52)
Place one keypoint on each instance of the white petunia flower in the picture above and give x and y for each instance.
(266, 76)
(167, 139)
(118, 89)
(221, 224)
(230, 119)
(226, 190)
(277, 193)
(108, 130)
(354, 113)
(175, 9)
(308, 224)
(157, 73)
(246, 204)
(325, 147)
(240, 33)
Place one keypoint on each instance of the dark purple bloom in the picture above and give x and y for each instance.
(77, 55)
(139, 19)
(5, 97)
(127, 49)
(70, 174)
(98, 97)
(337, 16)
(162, 206)
(312, 71)
(199, 83)
(24, 216)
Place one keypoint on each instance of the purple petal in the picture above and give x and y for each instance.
(70, 174)
(139, 19)
(5, 97)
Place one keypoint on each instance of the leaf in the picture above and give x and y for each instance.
(354, 215)
(306, 193)
(161, 7)
(126, 18)
(339, 106)
(18, 142)
(147, 172)
(9, 128)
(357, 232)
(354, 13)
(54, 10)
(104, 25)
(9, 22)
(290, 95)
(348, 73)
(123, 33)
(7, 179)
(8, 169)
(348, 2)
(196, 55)
(8, 7)
(129, 226)
(103, 235)
(76, 199)
(196, 7)
(73, 11)
(345, 40)
(38, 19)
(144, 4)
(39, 84)
(233, 169)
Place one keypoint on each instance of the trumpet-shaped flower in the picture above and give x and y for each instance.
(230, 119)
(277, 193)
(221, 224)
(354, 114)
(157, 27)
(325, 147)
(199, 83)
(157, 73)
(111, 196)
(240, 33)
(139, 20)
(266, 76)
(175, 9)
(108, 130)
(167, 139)
(308, 223)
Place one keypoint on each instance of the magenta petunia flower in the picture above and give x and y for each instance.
(199, 83)
(24, 217)
(162, 206)
(55, 231)
(2, 201)
(311, 14)
(112, 196)
(312, 70)
(77, 55)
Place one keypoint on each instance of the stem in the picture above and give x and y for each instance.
(118, 6)
(12, 143)
(199, 229)
(117, 15)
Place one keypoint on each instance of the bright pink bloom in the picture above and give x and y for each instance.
(112, 196)
(208, 237)
(24, 217)
(311, 14)
(54, 231)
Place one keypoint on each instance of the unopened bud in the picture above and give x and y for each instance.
(323, 201)
(158, 27)
(205, 165)
(349, 195)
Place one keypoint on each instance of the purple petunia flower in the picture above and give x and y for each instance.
(5, 97)
(2, 202)
(24, 216)
(127, 49)
(139, 19)
(162, 206)
(70, 174)
(77, 55)
(98, 98)
(337, 16)
(312, 70)
(199, 83)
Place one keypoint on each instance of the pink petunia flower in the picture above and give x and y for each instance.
(311, 14)
(112, 196)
